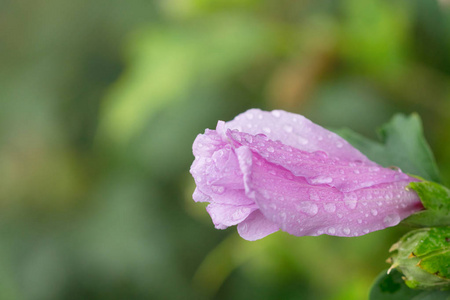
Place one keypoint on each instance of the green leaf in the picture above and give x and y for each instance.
(402, 144)
(392, 287)
(436, 199)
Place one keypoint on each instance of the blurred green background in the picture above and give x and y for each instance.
(101, 101)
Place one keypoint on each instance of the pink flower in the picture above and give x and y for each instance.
(266, 171)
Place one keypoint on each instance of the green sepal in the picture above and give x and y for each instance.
(436, 200)
(423, 257)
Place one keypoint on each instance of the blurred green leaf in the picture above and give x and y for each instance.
(436, 199)
(402, 145)
(391, 287)
(167, 62)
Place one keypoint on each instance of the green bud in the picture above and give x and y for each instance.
(423, 256)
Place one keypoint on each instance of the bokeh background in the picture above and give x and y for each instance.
(100, 102)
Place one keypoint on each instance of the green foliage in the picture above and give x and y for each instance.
(436, 200)
(392, 287)
(402, 145)
(423, 257)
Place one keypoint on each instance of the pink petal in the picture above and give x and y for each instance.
(256, 226)
(301, 209)
(317, 167)
(296, 131)
(225, 215)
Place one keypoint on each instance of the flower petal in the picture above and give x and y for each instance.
(301, 209)
(296, 131)
(225, 215)
(256, 226)
(317, 167)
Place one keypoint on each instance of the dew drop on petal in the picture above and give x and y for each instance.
(339, 144)
(248, 139)
(249, 116)
(276, 113)
(267, 129)
(321, 180)
(374, 212)
(313, 195)
(308, 208)
(359, 221)
(240, 213)
(302, 140)
(350, 201)
(270, 149)
(288, 128)
(329, 207)
(391, 220)
(346, 230)
(331, 230)
(365, 230)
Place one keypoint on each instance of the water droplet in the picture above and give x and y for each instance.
(320, 137)
(321, 180)
(308, 208)
(391, 220)
(374, 169)
(321, 154)
(339, 145)
(236, 136)
(359, 221)
(340, 216)
(267, 129)
(374, 212)
(302, 140)
(200, 145)
(313, 195)
(249, 116)
(288, 128)
(272, 172)
(356, 171)
(331, 230)
(248, 139)
(283, 216)
(276, 113)
(270, 149)
(365, 230)
(350, 200)
(380, 203)
(273, 206)
(346, 230)
(260, 116)
(240, 213)
(329, 207)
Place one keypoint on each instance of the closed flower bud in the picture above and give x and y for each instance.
(266, 171)
(423, 256)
